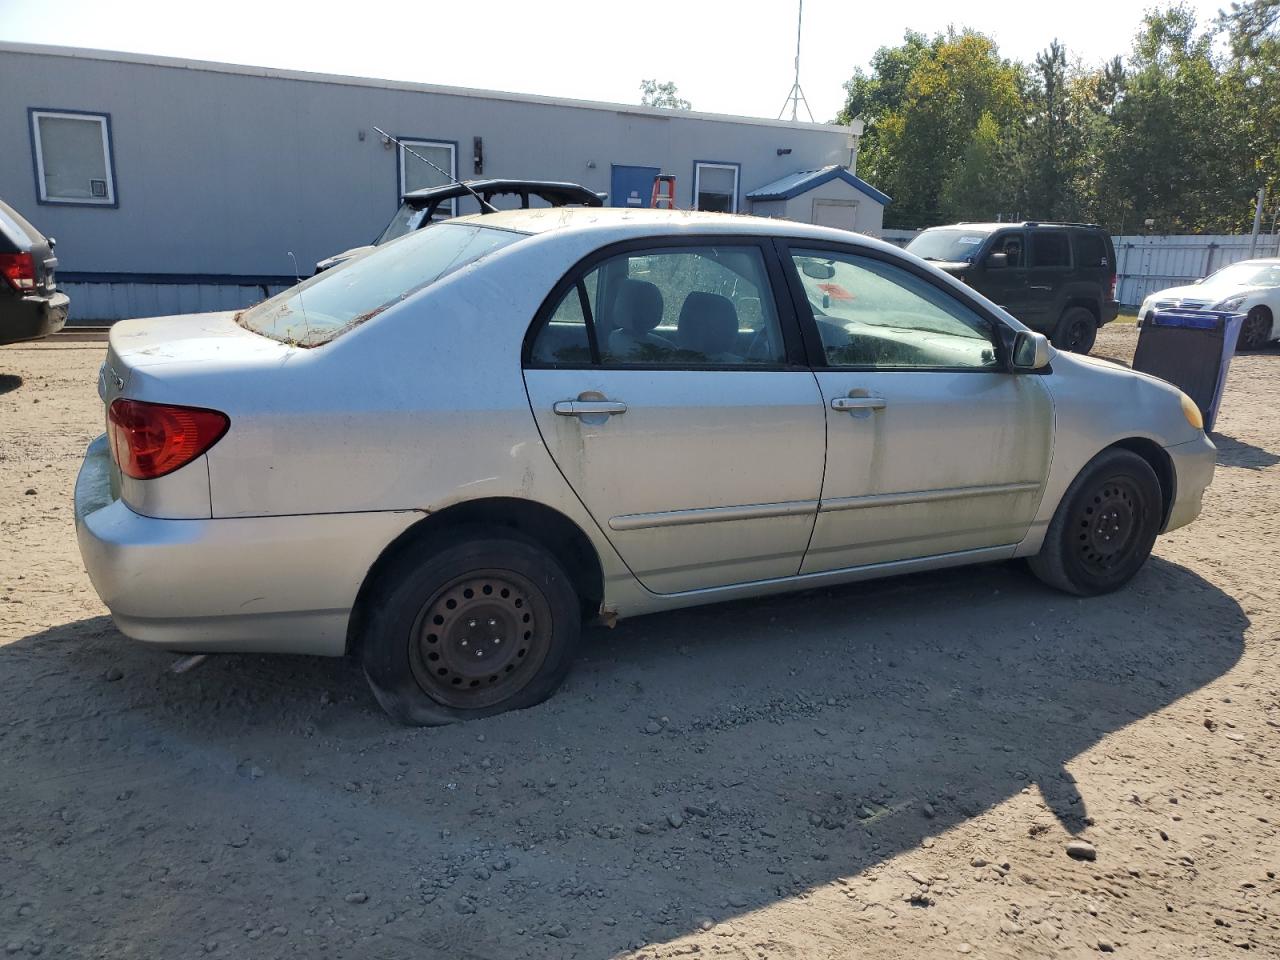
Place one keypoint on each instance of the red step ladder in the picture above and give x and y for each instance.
(661, 196)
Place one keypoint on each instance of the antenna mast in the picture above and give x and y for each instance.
(796, 96)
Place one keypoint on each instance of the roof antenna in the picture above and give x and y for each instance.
(306, 328)
(796, 96)
(485, 205)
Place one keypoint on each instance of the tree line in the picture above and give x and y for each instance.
(1182, 131)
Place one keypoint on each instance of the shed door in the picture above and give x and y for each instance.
(631, 186)
(840, 214)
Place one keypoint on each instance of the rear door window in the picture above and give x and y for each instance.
(1049, 248)
(703, 306)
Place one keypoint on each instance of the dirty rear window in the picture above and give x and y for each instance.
(321, 308)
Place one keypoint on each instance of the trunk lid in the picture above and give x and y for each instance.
(162, 347)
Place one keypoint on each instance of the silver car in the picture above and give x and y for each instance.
(444, 457)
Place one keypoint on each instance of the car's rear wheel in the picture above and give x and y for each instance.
(1104, 528)
(469, 626)
(1255, 332)
(1076, 331)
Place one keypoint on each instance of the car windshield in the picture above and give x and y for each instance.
(406, 220)
(951, 244)
(1246, 275)
(330, 303)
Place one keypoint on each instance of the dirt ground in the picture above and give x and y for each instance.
(888, 770)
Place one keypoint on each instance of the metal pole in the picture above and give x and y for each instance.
(795, 102)
(1257, 221)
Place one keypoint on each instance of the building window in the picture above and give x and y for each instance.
(715, 187)
(415, 175)
(73, 157)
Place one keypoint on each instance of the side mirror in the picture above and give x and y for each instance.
(817, 269)
(52, 242)
(1030, 351)
(997, 261)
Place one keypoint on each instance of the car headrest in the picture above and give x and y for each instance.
(708, 324)
(637, 306)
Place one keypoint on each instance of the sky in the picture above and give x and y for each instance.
(725, 57)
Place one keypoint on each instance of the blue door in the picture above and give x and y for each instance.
(631, 186)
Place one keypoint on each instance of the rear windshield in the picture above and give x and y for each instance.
(953, 245)
(321, 308)
(406, 220)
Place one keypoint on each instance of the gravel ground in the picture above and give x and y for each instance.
(894, 769)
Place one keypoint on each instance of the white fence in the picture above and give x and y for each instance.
(1147, 264)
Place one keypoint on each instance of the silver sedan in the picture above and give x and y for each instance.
(446, 456)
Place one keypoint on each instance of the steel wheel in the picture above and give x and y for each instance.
(480, 639)
(1104, 527)
(1108, 524)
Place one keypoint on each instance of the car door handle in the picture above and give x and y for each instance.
(588, 408)
(857, 403)
(1034, 287)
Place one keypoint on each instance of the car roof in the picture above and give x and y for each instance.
(645, 221)
(989, 227)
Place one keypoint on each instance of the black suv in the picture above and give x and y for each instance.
(1058, 278)
(30, 305)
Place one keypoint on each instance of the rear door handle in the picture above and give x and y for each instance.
(588, 408)
(857, 403)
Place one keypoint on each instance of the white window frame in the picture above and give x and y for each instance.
(37, 147)
(714, 165)
(415, 144)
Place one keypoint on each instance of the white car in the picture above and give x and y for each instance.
(444, 456)
(1251, 287)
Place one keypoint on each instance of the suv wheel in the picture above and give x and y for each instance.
(1104, 528)
(1076, 330)
(1256, 330)
(475, 624)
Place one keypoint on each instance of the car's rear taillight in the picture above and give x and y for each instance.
(19, 269)
(149, 440)
(1112, 294)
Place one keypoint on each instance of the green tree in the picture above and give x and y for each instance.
(664, 95)
(923, 101)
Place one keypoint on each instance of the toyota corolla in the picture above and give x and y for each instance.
(446, 456)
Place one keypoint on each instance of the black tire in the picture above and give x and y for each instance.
(1104, 528)
(1076, 331)
(1256, 331)
(481, 590)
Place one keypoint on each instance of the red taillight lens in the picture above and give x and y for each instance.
(149, 440)
(1112, 294)
(19, 269)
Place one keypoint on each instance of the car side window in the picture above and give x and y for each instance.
(1049, 249)
(1090, 250)
(873, 314)
(706, 306)
(564, 338)
(1010, 244)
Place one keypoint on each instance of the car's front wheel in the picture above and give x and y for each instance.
(1076, 331)
(1256, 329)
(477, 623)
(1104, 528)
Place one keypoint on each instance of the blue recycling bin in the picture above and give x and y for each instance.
(1192, 349)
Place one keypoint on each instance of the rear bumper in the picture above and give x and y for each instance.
(248, 584)
(1193, 466)
(30, 318)
(1110, 310)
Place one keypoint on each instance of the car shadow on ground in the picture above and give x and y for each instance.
(1233, 452)
(697, 764)
(9, 382)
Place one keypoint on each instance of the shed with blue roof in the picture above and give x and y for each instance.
(832, 196)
